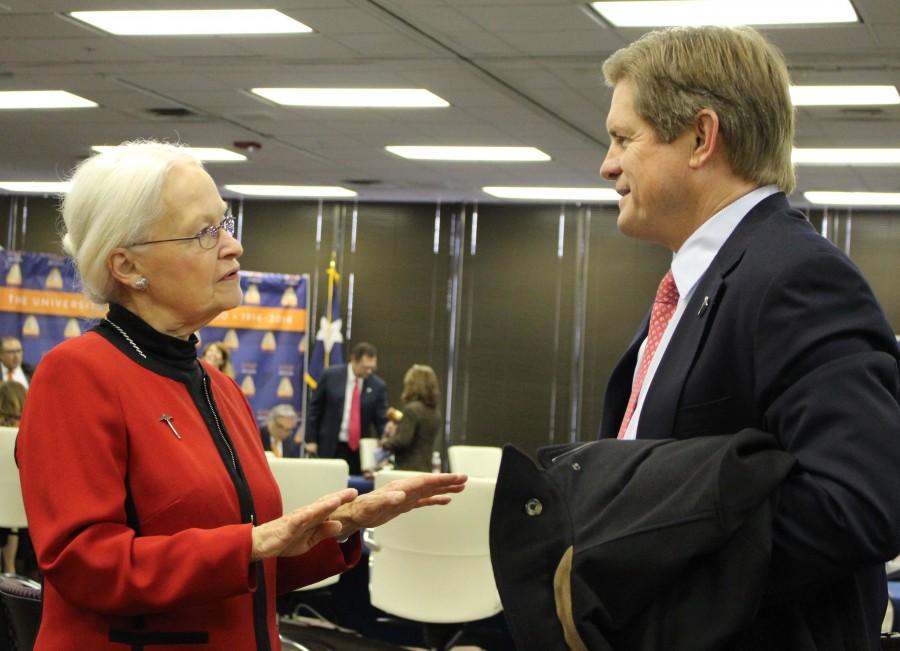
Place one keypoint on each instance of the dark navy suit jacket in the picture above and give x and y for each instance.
(326, 408)
(783, 335)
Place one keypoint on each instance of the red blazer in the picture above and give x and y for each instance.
(94, 457)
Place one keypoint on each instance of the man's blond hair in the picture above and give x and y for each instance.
(732, 70)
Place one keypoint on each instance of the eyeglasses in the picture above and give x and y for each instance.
(207, 238)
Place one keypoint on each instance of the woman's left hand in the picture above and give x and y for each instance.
(399, 496)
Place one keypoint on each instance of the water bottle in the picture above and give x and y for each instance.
(435, 461)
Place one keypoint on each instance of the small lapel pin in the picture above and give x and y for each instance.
(703, 306)
(165, 418)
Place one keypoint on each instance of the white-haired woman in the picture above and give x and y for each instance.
(154, 515)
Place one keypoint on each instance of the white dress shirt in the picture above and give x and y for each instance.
(689, 264)
(344, 435)
(17, 376)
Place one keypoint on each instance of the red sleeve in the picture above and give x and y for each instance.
(72, 455)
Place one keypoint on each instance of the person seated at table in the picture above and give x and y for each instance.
(216, 354)
(12, 398)
(412, 441)
(278, 434)
(154, 514)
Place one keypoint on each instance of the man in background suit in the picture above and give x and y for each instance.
(336, 419)
(760, 327)
(11, 364)
(278, 432)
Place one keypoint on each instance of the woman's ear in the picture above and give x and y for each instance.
(706, 138)
(123, 267)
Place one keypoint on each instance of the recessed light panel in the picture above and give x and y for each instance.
(844, 95)
(42, 99)
(552, 194)
(670, 13)
(802, 156)
(36, 187)
(353, 97)
(295, 191)
(853, 198)
(500, 154)
(208, 154)
(206, 22)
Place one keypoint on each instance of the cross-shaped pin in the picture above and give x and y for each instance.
(165, 418)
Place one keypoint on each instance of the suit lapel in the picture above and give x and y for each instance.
(663, 399)
(618, 390)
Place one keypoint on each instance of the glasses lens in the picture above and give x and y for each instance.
(208, 237)
(228, 223)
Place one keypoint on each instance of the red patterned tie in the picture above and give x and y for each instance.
(663, 308)
(354, 427)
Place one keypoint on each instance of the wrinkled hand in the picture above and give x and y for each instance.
(300, 530)
(399, 496)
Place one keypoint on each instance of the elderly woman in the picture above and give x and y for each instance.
(154, 515)
(216, 354)
(413, 439)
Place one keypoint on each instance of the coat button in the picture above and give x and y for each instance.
(533, 507)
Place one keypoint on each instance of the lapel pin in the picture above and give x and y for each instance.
(703, 306)
(165, 418)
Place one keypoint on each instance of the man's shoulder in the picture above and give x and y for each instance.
(375, 382)
(333, 371)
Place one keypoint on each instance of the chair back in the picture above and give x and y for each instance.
(12, 510)
(433, 564)
(303, 481)
(367, 446)
(475, 460)
(21, 600)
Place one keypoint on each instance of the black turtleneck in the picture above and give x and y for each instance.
(176, 359)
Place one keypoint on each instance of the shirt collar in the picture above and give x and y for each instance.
(692, 260)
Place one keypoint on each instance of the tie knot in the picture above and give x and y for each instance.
(667, 292)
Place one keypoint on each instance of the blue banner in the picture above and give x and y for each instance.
(41, 304)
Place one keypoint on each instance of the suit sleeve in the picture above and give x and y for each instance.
(827, 381)
(381, 408)
(72, 455)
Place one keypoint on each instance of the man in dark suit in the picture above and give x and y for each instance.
(761, 325)
(11, 364)
(336, 419)
(278, 432)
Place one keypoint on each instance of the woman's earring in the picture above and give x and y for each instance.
(141, 284)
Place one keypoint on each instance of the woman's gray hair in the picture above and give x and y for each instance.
(283, 410)
(114, 200)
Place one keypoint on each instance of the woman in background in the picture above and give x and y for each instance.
(413, 439)
(216, 354)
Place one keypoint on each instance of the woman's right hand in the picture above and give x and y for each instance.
(300, 530)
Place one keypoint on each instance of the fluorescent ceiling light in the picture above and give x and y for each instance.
(509, 154)
(664, 13)
(316, 191)
(353, 97)
(209, 154)
(854, 198)
(42, 99)
(846, 156)
(554, 194)
(209, 22)
(36, 187)
(844, 95)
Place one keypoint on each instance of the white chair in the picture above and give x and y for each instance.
(475, 460)
(367, 446)
(433, 565)
(303, 481)
(12, 510)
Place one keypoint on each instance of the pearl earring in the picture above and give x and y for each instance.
(141, 284)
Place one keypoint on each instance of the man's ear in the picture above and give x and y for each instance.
(706, 138)
(123, 267)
